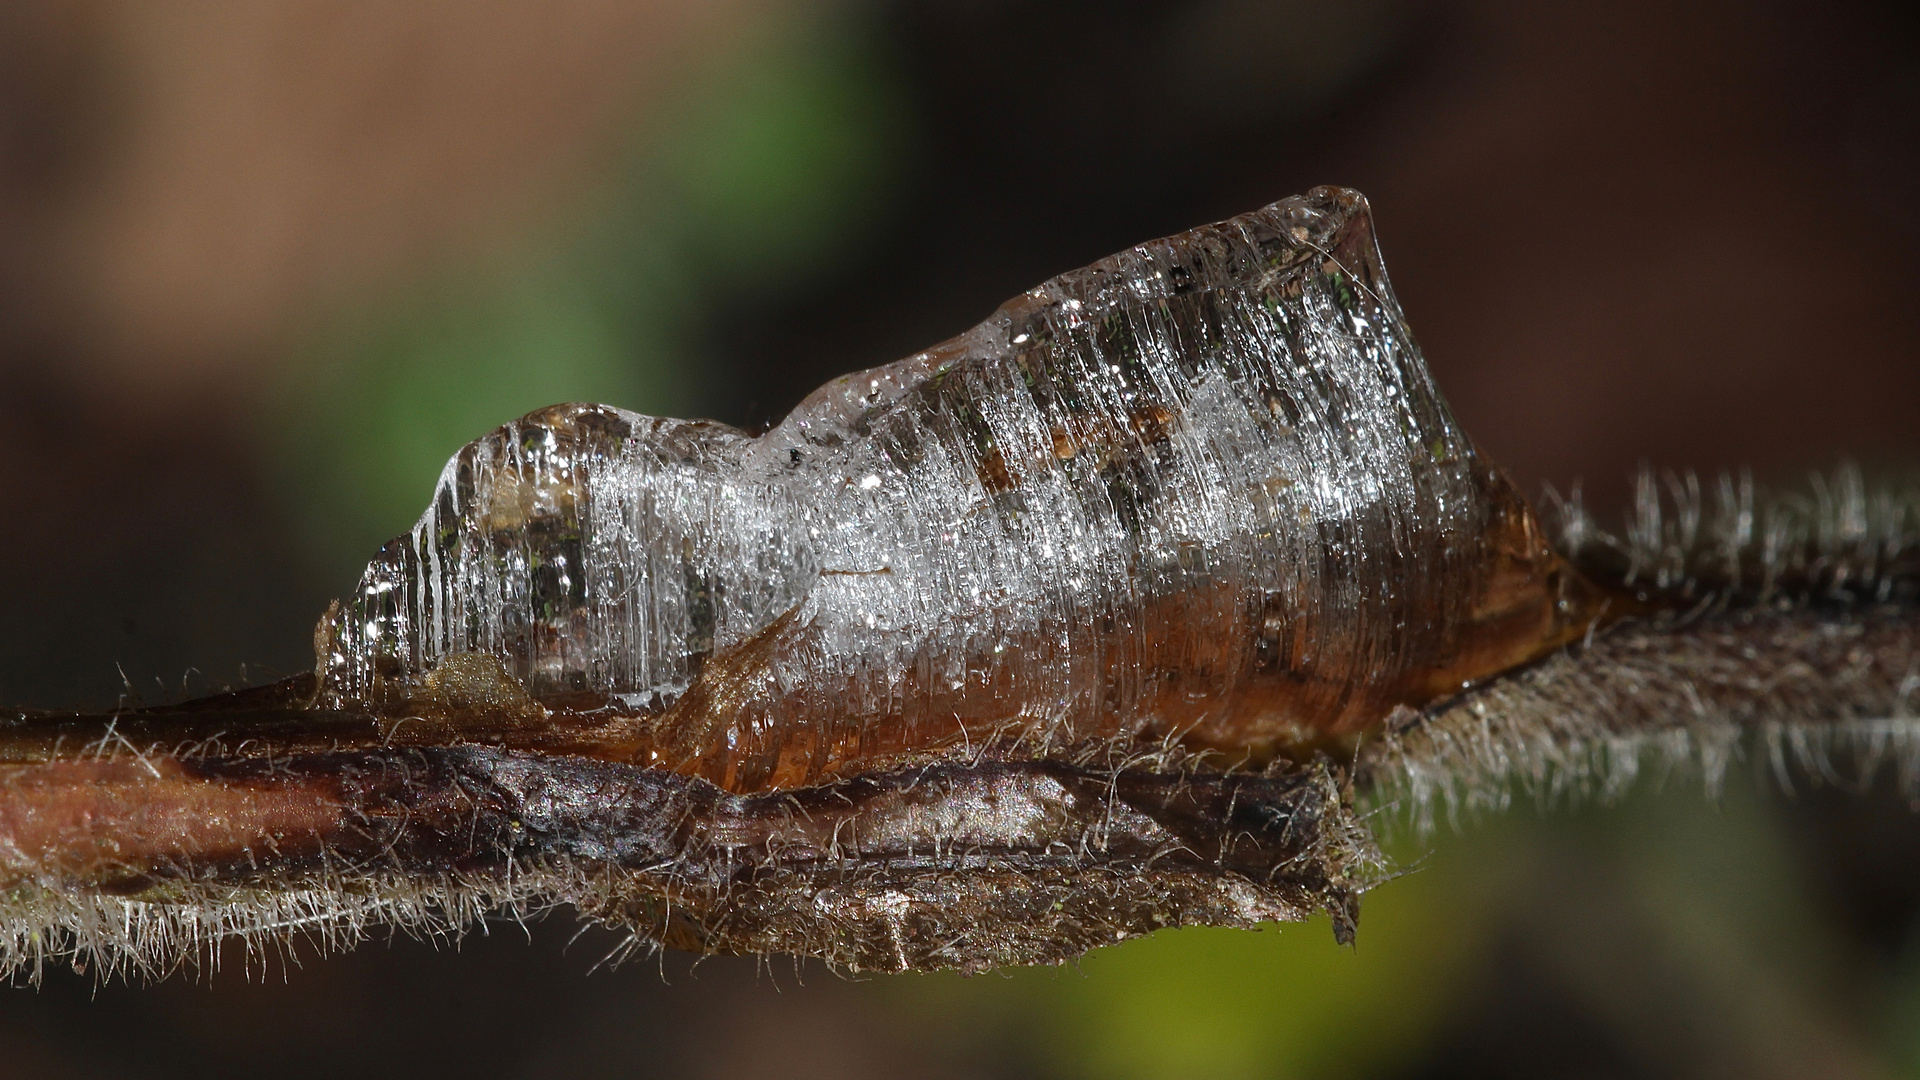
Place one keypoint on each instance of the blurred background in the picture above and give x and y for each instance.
(263, 267)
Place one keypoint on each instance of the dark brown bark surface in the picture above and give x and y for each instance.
(959, 864)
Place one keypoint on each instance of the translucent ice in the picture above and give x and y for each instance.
(1204, 489)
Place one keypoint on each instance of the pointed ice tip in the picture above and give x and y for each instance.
(1346, 918)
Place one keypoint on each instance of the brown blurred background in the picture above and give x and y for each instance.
(263, 267)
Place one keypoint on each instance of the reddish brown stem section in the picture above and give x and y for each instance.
(956, 864)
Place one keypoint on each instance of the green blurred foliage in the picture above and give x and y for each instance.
(1900, 1011)
(1284, 1001)
(1679, 925)
(781, 161)
(757, 169)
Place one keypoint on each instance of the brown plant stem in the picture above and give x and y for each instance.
(959, 864)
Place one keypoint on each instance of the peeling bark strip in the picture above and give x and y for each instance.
(966, 866)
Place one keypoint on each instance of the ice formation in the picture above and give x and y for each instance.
(1204, 489)
(1023, 645)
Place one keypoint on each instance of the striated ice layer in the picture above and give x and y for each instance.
(1204, 488)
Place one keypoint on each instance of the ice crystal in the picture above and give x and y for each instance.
(1203, 488)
